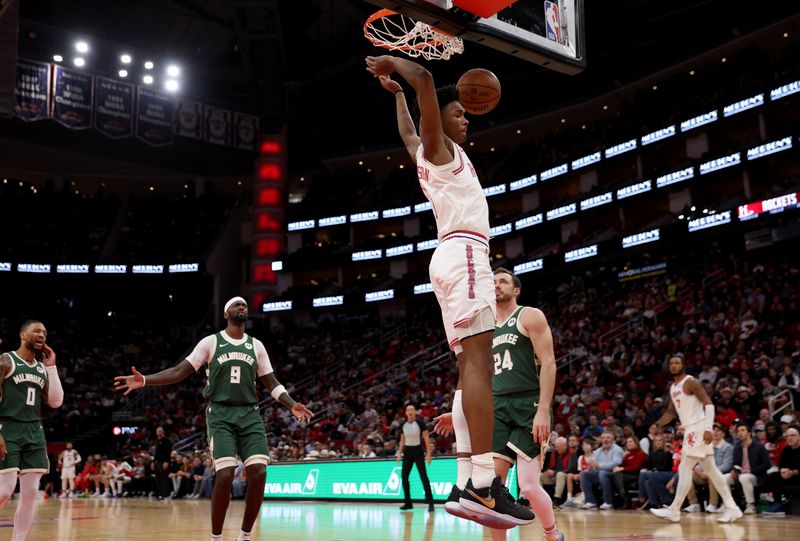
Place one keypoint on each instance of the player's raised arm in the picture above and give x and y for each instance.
(405, 125)
(420, 79)
(535, 323)
(53, 389)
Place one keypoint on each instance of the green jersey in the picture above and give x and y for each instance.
(232, 372)
(23, 388)
(515, 366)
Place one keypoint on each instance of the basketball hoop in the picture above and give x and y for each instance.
(396, 32)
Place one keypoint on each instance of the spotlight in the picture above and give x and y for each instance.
(680, 217)
(171, 85)
(80, 62)
(58, 58)
(148, 65)
(694, 208)
(147, 79)
(173, 71)
(125, 59)
(82, 47)
(123, 73)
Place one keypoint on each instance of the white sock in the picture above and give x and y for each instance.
(464, 472)
(482, 470)
(243, 536)
(215, 537)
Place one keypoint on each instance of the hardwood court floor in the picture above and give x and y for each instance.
(147, 520)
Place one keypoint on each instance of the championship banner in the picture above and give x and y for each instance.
(371, 479)
(72, 98)
(32, 90)
(217, 125)
(154, 117)
(245, 131)
(113, 108)
(189, 119)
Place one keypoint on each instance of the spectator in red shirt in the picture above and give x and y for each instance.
(627, 473)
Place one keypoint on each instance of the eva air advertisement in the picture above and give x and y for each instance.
(359, 480)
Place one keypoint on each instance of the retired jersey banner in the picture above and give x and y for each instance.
(32, 90)
(189, 119)
(154, 117)
(217, 125)
(72, 98)
(245, 131)
(113, 108)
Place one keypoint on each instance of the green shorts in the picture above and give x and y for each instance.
(513, 421)
(236, 431)
(26, 447)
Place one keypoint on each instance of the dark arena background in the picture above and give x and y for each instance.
(159, 157)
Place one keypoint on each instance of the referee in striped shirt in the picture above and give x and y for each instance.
(411, 450)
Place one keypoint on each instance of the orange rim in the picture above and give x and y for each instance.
(384, 13)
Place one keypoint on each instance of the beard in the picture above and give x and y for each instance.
(239, 318)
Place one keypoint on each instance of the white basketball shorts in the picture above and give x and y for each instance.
(462, 279)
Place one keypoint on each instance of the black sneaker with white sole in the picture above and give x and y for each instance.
(495, 501)
(453, 507)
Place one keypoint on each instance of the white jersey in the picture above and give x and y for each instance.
(455, 194)
(689, 408)
(70, 458)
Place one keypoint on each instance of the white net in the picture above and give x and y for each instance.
(396, 32)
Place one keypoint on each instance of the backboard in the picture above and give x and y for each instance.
(545, 32)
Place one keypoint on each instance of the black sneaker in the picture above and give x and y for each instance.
(495, 501)
(453, 507)
(406, 507)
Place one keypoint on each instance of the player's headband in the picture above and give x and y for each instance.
(230, 302)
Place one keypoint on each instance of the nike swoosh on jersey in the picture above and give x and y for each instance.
(223, 345)
(488, 503)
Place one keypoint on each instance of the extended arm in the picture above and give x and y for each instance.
(278, 391)
(136, 380)
(535, 323)
(420, 79)
(405, 125)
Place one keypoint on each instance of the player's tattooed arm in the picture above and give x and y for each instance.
(6, 364)
(696, 388)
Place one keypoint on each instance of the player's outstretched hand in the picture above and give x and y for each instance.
(129, 383)
(444, 424)
(3, 450)
(380, 65)
(389, 84)
(49, 358)
(302, 413)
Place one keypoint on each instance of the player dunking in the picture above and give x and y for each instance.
(23, 449)
(233, 362)
(523, 384)
(696, 414)
(460, 273)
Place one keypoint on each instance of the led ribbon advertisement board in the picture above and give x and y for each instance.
(376, 480)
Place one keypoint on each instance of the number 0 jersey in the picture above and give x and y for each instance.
(515, 366)
(23, 388)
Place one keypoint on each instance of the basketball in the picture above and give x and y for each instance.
(479, 90)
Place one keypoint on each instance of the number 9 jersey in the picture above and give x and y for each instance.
(232, 367)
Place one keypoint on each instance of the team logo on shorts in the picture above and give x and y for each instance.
(690, 439)
(248, 345)
(512, 322)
